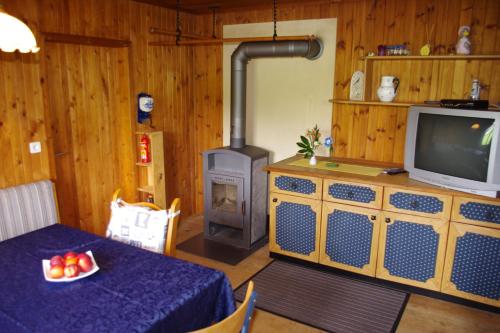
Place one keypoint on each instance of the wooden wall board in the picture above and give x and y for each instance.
(189, 107)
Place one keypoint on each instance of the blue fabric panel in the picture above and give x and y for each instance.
(296, 228)
(292, 184)
(352, 192)
(134, 290)
(417, 203)
(481, 212)
(349, 238)
(411, 250)
(476, 266)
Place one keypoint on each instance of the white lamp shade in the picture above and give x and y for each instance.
(14, 34)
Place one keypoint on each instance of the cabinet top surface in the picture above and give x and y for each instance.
(400, 180)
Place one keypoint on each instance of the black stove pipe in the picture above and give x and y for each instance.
(310, 49)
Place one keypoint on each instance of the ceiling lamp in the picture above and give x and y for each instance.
(14, 34)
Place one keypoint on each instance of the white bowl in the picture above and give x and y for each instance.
(46, 271)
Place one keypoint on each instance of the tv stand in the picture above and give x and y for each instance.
(388, 227)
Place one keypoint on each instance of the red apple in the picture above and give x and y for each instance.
(70, 254)
(71, 270)
(56, 260)
(71, 261)
(85, 262)
(57, 271)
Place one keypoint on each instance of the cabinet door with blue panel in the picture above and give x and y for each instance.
(485, 213)
(434, 205)
(472, 265)
(365, 195)
(349, 238)
(294, 226)
(412, 250)
(297, 185)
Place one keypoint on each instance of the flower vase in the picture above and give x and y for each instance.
(312, 160)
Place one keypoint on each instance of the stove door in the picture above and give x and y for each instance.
(225, 198)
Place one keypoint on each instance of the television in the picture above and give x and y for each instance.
(454, 148)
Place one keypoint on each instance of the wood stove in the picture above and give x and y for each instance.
(235, 186)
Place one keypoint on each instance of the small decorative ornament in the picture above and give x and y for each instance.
(357, 91)
(463, 44)
(425, 50)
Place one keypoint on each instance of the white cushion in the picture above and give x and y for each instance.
(138, 226)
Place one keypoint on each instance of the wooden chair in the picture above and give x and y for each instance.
(239, 320)
(174, 210)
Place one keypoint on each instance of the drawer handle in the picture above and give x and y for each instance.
(275, 200)
(489, 215)
(373, 217)
(387, 220)
(414, 204)
(350, 194)
(294, 186)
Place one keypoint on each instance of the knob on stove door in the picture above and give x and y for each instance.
(275, 200)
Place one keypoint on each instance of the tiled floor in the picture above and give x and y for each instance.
(422, 314)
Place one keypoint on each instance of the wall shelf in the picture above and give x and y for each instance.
(436, 57)
(152, 174)
(375, 103)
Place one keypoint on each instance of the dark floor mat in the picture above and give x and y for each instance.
(326, 300)
(231, 255)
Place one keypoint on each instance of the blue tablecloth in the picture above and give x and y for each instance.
(134, 290)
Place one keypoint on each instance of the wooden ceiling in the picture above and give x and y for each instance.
(204, 6)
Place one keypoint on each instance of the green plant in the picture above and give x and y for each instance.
(310, 142)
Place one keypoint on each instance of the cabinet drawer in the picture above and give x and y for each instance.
(303, 186)
(417, 203)
(352, 193)
(478, 212)
(472, 268)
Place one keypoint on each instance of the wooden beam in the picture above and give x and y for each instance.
(52, 37)
(229, 40)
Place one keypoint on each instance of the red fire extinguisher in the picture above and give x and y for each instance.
(145, 151)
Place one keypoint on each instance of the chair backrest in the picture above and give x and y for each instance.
(26, 208)
(173, 221)
(173, 214)
(239, 321)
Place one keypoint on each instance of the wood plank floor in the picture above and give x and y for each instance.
(422, 314)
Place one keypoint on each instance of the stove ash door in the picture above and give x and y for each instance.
(225, 198)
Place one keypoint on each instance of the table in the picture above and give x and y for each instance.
(134, 290)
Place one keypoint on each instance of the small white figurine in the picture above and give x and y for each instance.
(463, 44)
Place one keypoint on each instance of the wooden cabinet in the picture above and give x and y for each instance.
(472, 268)
(389, 227)
(349, 238)
(152, 174)
(294, 226)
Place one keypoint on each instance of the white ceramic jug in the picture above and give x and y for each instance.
(388, 88)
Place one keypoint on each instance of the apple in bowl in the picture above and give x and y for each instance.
(85, 262)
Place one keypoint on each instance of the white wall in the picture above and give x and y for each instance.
(285, 96)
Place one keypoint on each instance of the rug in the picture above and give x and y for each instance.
(227, 254)
(326, 300)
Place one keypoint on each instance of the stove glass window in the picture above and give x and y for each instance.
(224, 197)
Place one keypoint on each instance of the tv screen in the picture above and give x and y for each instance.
(454, 145)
